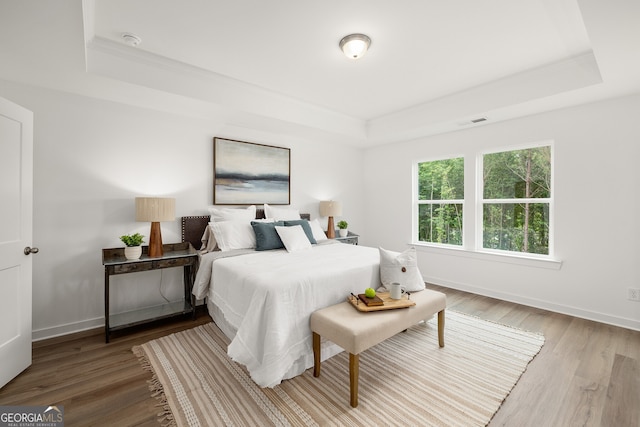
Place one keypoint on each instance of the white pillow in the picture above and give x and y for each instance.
(232, 235)
(400, 267)
(232, 214)
(317, 231)
(293, 237)
(280, 214)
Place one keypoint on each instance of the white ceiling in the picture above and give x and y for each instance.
(432, 66)
(421, 50)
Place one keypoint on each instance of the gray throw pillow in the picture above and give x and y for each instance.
(266, 236)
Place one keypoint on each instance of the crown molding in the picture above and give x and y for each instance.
(132, 65)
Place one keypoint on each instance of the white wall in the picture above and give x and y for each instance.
(92, 158)
(596, 148)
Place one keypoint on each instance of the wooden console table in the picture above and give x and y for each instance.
(175, 255)
(350, 238)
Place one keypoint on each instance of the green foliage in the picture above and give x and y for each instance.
(132, 240)
(518, 174)
(440, 223)
(441, 180)
(508, 223)
(506, 227)
(342, 225)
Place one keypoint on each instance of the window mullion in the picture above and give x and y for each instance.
(519, 200)
(470, 220)
(441, 202)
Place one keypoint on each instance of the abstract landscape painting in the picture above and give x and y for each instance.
(248, 173)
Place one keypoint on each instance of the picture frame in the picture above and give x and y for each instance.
(247, 173)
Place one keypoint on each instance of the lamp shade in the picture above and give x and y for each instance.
(155, 209)
(330, 208)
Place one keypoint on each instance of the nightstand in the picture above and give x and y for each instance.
(175, 255)
(350, 238)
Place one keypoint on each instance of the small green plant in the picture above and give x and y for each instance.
(132, 240)
(342, 225)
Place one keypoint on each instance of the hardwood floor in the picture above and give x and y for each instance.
(98, 384)
(587, 373)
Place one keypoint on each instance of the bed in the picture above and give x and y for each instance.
(262, 300)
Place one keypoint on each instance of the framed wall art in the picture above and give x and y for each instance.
(245, 173)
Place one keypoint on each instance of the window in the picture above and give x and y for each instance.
(440, 201)
(516, 200)
(508, 202)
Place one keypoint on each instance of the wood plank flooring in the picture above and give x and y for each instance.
(98, 384)
(587, 373)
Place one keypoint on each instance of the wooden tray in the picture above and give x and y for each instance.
(389, 304)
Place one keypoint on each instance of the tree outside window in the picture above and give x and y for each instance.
(516, 200)
(440, 201)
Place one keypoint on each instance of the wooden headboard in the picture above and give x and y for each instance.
(193, 227)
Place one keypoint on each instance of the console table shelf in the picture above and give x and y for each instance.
(145, 315)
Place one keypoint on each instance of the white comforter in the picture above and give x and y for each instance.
(268, 298)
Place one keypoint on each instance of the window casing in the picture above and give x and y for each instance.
(508, 203)
(516, 200)
(440, 200)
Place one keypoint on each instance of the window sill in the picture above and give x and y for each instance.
(529, 261)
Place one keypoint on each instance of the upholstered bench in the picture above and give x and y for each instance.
(356, 331)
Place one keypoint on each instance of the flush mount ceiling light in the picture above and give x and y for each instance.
(131, 39)
(355, 46)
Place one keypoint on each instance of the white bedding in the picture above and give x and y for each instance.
(268, 296)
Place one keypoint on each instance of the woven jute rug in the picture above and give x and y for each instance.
(405, 381)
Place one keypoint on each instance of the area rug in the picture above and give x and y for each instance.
(405, 381)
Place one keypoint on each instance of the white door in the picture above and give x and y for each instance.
(16, 194)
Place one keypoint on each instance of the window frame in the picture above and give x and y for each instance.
(417, 202)
(481, 201)
(473, 204)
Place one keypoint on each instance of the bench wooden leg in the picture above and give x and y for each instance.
(441, 328)
(354, 370)
(316, 355)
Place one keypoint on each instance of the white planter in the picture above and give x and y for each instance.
(132, 252)
(343, 233)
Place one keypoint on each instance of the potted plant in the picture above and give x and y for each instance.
(133, 250)
(342, 225)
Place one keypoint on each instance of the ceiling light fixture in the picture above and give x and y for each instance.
(355, 46)
(131, 39)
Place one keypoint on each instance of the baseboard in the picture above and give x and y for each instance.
(72, 328)
(537, 303)
(69, 328)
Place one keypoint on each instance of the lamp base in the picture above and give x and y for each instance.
(155, 241)
(331, 229)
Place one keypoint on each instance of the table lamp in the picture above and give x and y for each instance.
(330, 209)
(154, 210)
